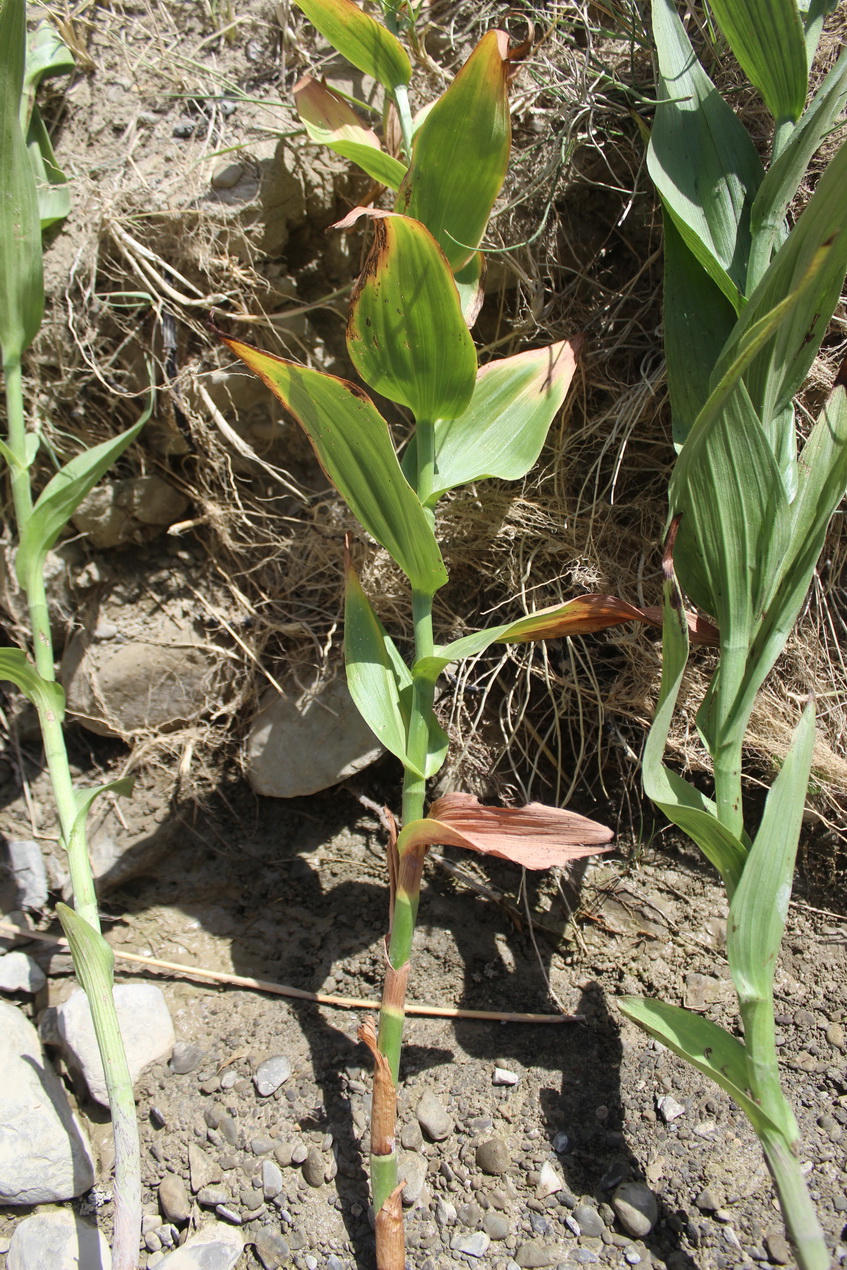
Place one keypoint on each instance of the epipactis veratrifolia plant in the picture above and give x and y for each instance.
(408, 337)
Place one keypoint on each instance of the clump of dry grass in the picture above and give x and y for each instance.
(575, 246)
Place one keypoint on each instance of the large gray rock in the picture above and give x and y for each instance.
(161, 680)
(146, 1026)
(27, 867)
(19, 973)
(308, 741)
(215, 1247)
(58, 1240)
(44, 1153)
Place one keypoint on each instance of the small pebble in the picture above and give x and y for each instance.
(272, 1249)
(433, 1117)
(669, 1108)
(589, 1220)
(496, 1225)
(445, 1212)
(411, 1138)
(185, 1058)
(261, 1146)
(20, 974)
(228, 1214)
(212, 1196)
(173, 1199)
(226, 177)
(777, 1248)
(271, 1074)
(549, 1181)
(636, 1207)
(560, 1143)
(314, 1168)
(534, 1255)
(271, 1179)
(182, 131)
(493, 1157)
(411, 1167)
(835, 1035)
(472, 1245)
(502, 1076)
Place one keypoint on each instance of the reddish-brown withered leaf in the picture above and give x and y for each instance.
(536, 836)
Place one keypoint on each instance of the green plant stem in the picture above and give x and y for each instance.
(780, 1148)
(127, 1209)
(728, 798)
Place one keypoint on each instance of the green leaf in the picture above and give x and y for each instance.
(784, 177)
(21, 278)
(46, 695)
(768, 40)
(470, 283)
(503, 429)
(735, 518)
(697, 323)
(406, 334)
(54, 199)
(353, 446)
(810, 267)
(813, 13)
(94, 961)
(461, 152)
(376, 674)
(330, 121)
(61, 496)
(704, 1045)
(701, 159)
(822, 484)
(361, 39)
(46, 55)
(760, 905)
(684, 805)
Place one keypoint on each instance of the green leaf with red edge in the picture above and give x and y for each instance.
(535, 836)
(505, 425)
(353, 446)
(581, 616)
(361, 39)
(330, 121)
(406, 334)
(461, 152)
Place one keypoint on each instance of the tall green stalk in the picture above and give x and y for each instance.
(23, 212)
(748, 514)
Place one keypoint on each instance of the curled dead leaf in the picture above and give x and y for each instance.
(535, 836)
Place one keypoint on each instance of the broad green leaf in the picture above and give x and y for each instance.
(697, 323)
(47, 55)
(61, 496)
(84, 799)
(46, 695)
(768, 39)
(21, 278)
(822, 484)
(813, 13)
(54, 199)
(704, 1045)
(461, 152)
(470, 283)
(684, 805)
(376, 674)
(405, 334)
(760, 905)
(361, 39)
(784, 176)
(735, 518)
(701, 159)
(330, 121)
(353, 446)
(810, 267)
(503, 429)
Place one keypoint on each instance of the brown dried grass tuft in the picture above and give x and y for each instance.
(576, 246)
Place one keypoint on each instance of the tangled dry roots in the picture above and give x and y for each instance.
(576, 246)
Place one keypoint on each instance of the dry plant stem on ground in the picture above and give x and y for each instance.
(749, 513)
(408, 337)
(25, 210)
